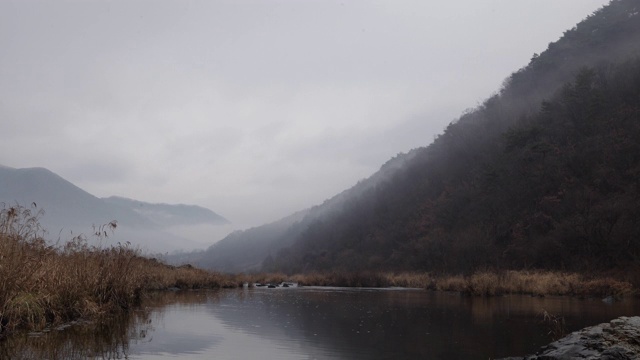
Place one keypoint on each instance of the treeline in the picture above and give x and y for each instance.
(520, 182)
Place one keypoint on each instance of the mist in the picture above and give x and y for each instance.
(252, 109)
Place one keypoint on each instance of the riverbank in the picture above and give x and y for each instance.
(487, 283)
(43, 285)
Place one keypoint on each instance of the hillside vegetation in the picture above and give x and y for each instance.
(559, 190)
(507, 186)
(246, 251)
(543, 175)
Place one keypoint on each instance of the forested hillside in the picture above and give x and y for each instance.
(544, 174)
(247, 250)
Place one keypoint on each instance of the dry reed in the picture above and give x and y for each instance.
(41, 284)
(484, 283)
(556, 325)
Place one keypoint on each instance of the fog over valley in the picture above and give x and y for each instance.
(252, 109)
(324, 179)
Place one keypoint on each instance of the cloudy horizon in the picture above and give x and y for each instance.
(253, 109)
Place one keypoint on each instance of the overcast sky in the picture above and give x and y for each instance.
(254, 109)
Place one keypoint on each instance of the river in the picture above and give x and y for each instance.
(319, 323)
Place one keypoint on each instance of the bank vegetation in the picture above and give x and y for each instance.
(43, 284)
(483, 283)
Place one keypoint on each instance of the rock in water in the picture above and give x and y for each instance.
(616, 340)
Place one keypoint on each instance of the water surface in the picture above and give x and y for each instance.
(322, 323)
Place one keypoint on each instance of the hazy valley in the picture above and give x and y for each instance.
(515, 225)
(68, 211)
(542, 175)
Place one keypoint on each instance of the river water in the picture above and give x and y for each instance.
(319, 323)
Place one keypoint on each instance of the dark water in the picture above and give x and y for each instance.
(319, 323)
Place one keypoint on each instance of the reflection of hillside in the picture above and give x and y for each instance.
(177, 320)
(381, 324)
(111, 339)
(372, 324)
(319, 323)
(573, 309)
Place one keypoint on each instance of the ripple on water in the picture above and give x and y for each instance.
(320, 323)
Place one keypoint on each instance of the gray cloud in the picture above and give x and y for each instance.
(252, 108)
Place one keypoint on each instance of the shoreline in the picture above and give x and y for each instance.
(617, 339)
(485, 283)
(44, 286)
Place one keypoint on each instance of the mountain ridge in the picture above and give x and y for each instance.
(443, 209)
(166, 215)
(70, 210)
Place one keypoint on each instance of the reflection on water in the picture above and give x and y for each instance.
(109, 340)
(319, 323)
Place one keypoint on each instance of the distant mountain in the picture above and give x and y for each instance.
(544, 174)
(168, 215)
(64, 203)
(69, 211)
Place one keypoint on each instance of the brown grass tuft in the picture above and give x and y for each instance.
(42, 284)
(556, 325)
(484, 283)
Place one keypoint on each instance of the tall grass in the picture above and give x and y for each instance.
(484, 283)
(42, 284)
(557, 326)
